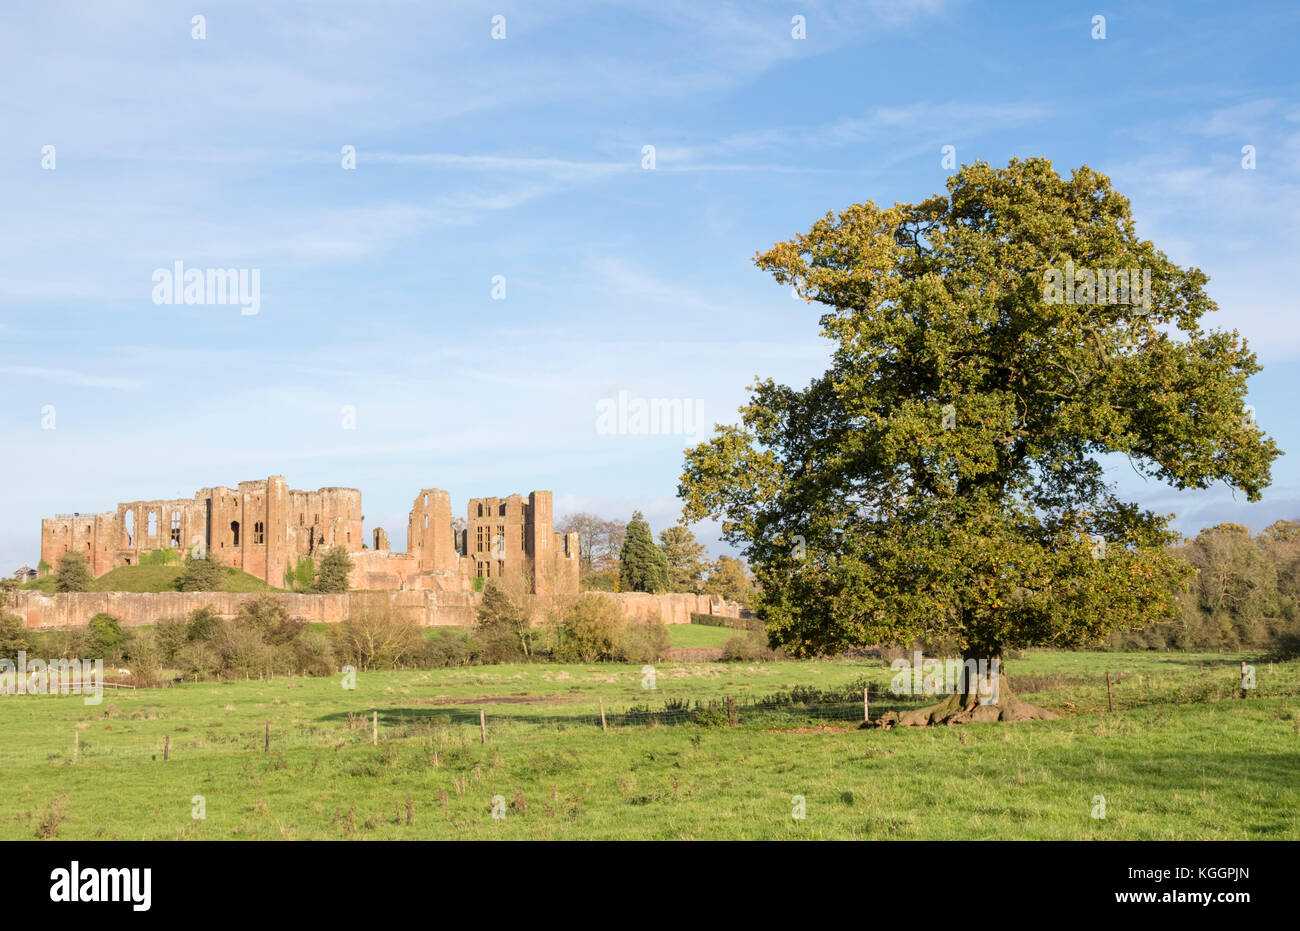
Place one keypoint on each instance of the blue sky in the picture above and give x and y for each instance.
(522, 158)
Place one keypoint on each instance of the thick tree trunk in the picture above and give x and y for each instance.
(976, 700)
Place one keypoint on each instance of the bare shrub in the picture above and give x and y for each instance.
(47, 825)
(377, 637)
(591, 632)
(644, 642)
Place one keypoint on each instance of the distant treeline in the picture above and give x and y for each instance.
(1245, 594)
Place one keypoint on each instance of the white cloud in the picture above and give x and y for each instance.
(70, 377)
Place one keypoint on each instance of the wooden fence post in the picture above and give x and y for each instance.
(374, 728)
(76, 743)
(731, 712)
(1110, 700)
(866, 708)
(267, 747)
(167, 746)
(482, 726)
(602, 715)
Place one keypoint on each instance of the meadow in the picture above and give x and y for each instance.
(1182, 756)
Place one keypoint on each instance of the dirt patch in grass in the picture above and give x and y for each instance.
(819, 729)
(495, 700)
(694, 654)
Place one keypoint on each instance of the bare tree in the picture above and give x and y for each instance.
(599, 540)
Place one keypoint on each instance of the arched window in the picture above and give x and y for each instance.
(234, 532)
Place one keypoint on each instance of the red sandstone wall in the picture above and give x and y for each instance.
(428, 530)
(429, 608)
(674, 608)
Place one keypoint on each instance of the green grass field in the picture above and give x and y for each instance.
(157, 579)
(700, 635)
(1182, 757)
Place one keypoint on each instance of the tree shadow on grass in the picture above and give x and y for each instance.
(713, 713)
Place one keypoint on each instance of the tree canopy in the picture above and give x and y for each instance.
(641, 564)
(73, 573)
(332, 577)
(943, 480)
(199, 575)
(687, 559)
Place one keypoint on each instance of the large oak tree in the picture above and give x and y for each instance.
(943, 480)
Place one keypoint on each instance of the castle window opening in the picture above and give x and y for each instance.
(234, 532)
(176, 529)
(259, 533)
(480, 509)
(501, 512)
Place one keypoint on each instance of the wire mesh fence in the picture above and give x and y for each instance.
(456, 724)
(469, 721)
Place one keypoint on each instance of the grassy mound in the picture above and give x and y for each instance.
(156, 579)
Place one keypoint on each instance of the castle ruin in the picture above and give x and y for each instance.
(264, 528)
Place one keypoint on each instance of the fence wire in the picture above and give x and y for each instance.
(460, 723)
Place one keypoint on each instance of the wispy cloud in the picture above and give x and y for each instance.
(70, 377)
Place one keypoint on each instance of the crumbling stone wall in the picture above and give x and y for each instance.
(506, 537)
(428, 531)
(429, 608)
(261, 527)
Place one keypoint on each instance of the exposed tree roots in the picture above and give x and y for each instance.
(969, 707)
